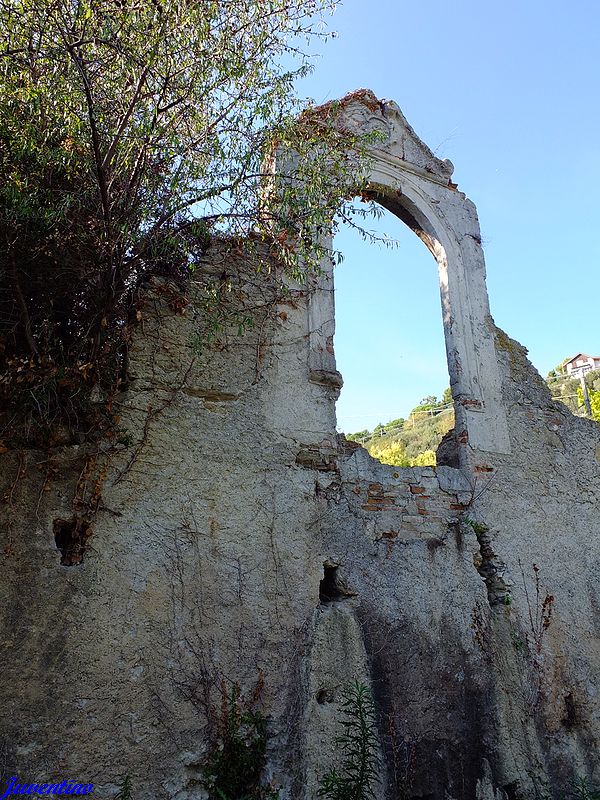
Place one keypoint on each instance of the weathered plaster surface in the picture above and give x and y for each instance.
(229, 494)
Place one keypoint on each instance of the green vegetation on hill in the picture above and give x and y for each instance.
(413, 442)
(410, 442)
(568, 390)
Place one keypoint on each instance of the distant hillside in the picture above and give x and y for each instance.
(568, 390)
(410, 442)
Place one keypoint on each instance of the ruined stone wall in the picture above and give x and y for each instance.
(482, 681)
(219, 515)
(204, 563)
(229, 494)
(237, 538)
(541, 504)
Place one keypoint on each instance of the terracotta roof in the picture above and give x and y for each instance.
(579, 355)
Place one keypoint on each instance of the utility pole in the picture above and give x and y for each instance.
(586, 396)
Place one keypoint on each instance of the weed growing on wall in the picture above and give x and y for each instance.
(580, 789)
(583, 791)
(235, 764)
(125, 789)
(540, 607)
(359, 770)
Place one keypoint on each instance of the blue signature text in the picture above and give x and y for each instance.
(65, 787)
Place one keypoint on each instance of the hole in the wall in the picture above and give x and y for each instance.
(389, 344)
(331, 587)
(325, 696)
(512, 791)
(70, 536)
(570, 718)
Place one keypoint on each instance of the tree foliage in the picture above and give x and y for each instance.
(594, 398)
(129, 133)
(393, 453)
(568, 390)
(411, 442)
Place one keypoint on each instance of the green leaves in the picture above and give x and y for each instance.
(140, 117)
(360, 768)
(125, 789)
(236, 762)
(122, 125)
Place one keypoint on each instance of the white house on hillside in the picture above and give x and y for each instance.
(580, 364)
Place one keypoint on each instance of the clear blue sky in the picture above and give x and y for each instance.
(510, 92)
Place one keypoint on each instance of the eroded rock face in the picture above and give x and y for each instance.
(240, 539)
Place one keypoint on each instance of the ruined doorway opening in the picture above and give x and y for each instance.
(390, 345)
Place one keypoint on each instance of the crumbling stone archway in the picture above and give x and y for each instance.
(416, 186)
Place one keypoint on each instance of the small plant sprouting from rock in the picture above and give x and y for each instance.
(125, 789)
(359, 771)
(478, 527)
(580, 789)
(583, 791)
(237, 759)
